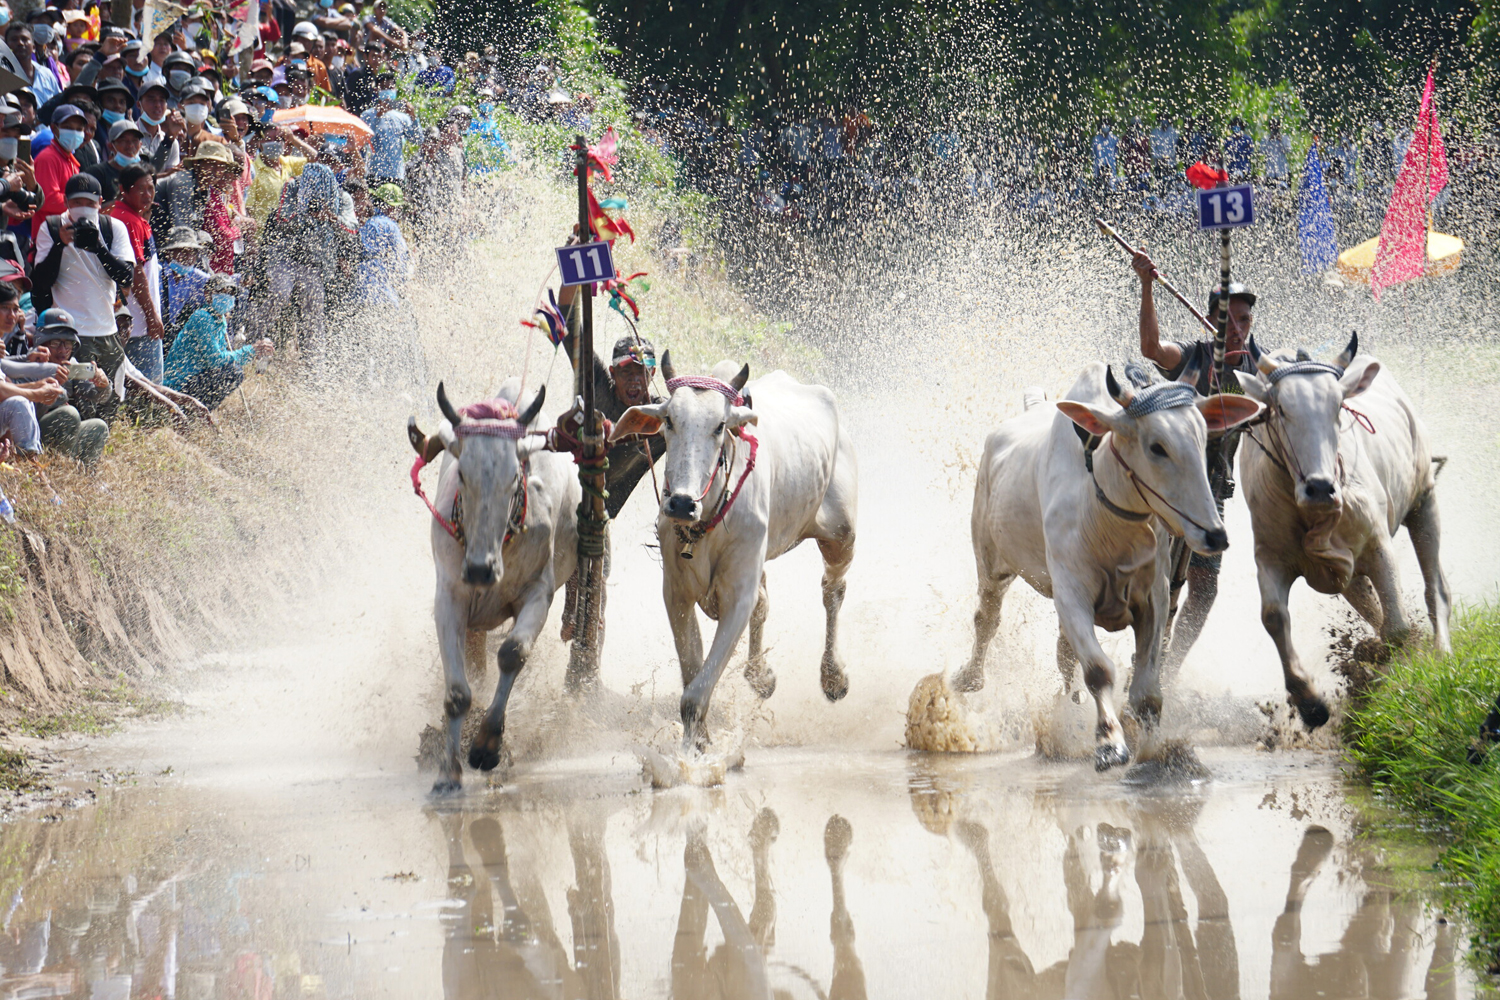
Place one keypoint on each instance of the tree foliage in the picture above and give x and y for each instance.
(1056, 60)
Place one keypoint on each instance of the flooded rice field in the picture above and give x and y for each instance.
(812, 874)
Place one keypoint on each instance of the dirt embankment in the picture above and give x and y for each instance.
(176, 541)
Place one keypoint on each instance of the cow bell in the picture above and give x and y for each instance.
(686, 551)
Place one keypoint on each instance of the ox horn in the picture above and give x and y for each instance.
(738, 382)
(1347, 358)
(1191, 371)
(449, 413)
(1264, 363)
(529, 414)
(1119, 394)
(667, 371)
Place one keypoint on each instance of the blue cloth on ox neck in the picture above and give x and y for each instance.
(1162, 396)
(1305, 368)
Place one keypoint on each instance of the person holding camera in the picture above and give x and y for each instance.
(81, 259)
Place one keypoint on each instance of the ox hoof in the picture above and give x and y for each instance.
(1314, 711)
(447, 786)
(1109, 755)
(483, 757)
(968, 680)
(761, 678)
(835, 682)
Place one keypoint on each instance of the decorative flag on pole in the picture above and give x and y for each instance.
(1320, 248)
(1402, 254)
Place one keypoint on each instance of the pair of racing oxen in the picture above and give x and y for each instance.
(1080, 498)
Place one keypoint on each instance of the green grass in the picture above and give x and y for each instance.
(1411, 736)
(16, 774)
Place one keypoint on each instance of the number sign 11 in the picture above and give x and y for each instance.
(585, 264)
(1226, 208)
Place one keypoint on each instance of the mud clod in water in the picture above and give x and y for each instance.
(1175, 762)
(938, 722)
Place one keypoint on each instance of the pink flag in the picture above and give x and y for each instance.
(1402, 253)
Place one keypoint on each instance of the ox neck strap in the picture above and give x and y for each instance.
(1133, 516)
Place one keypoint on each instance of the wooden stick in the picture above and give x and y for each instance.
(1108, 230)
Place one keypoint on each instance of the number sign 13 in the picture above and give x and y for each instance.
(585, 264)
(1226, 208)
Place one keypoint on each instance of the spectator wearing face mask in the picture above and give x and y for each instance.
(200, 363)
(80, 259)
(196, 111)
(161, 129)
(178, 71)
(274, 166)
(123, 150)
(196, 198)
(56, 164)
(394, 127)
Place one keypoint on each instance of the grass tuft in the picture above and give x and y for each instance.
(1411, 736)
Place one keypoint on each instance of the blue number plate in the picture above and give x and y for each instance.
(1226, 208)
(585, 264)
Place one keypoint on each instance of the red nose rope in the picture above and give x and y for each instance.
(490, 418)
(691, 535)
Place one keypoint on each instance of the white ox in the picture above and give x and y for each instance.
(1326, 497)
(1093, 542)
(803, 486)
(516, 511)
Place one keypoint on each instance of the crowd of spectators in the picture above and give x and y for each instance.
(176, 207)
(830, 166)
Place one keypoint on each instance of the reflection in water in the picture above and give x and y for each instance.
(1061, 888)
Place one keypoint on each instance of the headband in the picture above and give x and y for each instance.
(491, 418)
(724, 389)
(1161, 396)
(1304, 368)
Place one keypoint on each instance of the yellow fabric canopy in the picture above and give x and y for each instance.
(1444, 254)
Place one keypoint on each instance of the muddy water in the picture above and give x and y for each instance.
(812, 873)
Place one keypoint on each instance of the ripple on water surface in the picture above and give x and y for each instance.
(809, 874)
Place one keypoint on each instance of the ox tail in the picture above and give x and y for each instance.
(1033, 396)
(1438, 462)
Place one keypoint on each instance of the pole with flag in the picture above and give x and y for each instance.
(593, 466)
(1320, 248)
(1402, 254)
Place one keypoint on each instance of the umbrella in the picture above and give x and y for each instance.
(1444, 253)
(325, 119)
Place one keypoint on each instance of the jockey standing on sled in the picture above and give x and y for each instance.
(624, 383)
(1201, 573)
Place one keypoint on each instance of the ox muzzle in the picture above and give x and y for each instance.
(480, 574)
(681, 507)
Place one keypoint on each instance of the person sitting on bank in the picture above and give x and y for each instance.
(201, 363)
(66, 422)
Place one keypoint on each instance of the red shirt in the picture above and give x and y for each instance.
(270, 32)
(138, 228)
(54, 165)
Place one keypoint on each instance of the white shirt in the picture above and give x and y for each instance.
(83, 287)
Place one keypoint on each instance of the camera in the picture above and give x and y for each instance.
(22, 198)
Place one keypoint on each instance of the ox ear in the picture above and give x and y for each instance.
(1357, 380)
(644, 420)
(1253, 386)
(1094, 420)
(1223, 410)
(739, 416)
(528, 446)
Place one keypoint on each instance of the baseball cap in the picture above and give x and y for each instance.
(55, 324)
(63, 112)
(305, 29)
(1236, 291)
(123, 127)
(211, 152)
(633, 349)
(81, 184)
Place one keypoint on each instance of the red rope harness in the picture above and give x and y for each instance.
(749, 468)
(416, 484)
(455, 528)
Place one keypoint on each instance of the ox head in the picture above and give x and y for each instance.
(1305, 396)
(487, 447)
(695, 421)
(1161, 433)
